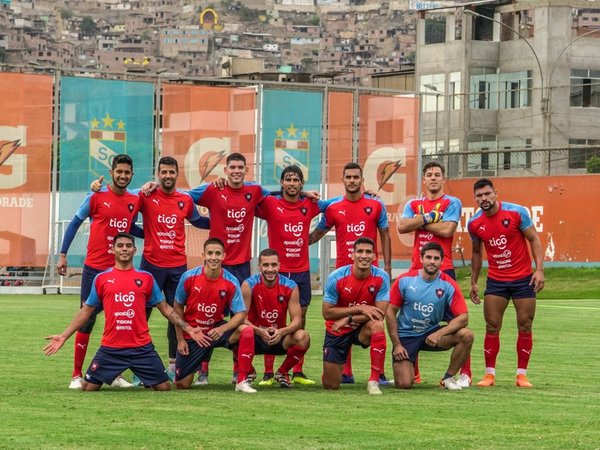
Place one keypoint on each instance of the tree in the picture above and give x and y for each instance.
(593, 164)
(66, 13)
(88, 26)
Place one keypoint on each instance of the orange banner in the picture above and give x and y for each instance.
(561, 208)
(201, 126)
(25, 168)
(339, 140)
(389, 135)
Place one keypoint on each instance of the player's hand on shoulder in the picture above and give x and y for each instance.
(372, 193)
(97, 184)
(149, 187)
(313, 195)
(56, 342)
(220, 183)
(474, 294)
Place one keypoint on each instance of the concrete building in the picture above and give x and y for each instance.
(514, 83)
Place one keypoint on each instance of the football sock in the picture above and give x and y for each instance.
(348, 365)
(81, 344)
(294, 354)
(378, 346)
(269, 363)
(298, 366)
(205, 366)
(524, 346)
(245, 353)
(416, 371)
(466, 368)
(491, 347)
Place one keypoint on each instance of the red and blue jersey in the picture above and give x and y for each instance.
(109, 214)
(125, 295)
(288, 228)
(206, 300)
(269, 306)
(164, 226)
(451, 207)
(353, 219)
(505, 244)
(423, 303)
(343, 289)
(231, 216)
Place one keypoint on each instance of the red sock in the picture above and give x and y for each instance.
(205, 366)
(269, 363)
(416, 371)
(491, 348)
(348, 365)
(245, 353)
(524, 346)
(378, 346)
(298, 366)
(294, 354)
(81, 344)
(466, 368)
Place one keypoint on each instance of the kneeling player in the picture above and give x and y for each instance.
(354, 305)
(203, 296)
(269, 297)
(418, 301)
(123, 293)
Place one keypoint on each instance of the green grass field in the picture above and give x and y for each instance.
(562, 411)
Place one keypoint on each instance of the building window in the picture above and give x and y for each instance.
(480, 162)
(483, 87)
(454, 91)
(435, 30)
(433, 86)
(514, 89)
(585, 88)
(579, 156)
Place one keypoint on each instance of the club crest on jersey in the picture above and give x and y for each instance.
(439, 293)
(138, 282)
(371, 289)
(130, 207)
(303, 210)
(368, 210)
(248, 196)
(280, 298)
(506, 222)
(222, 293)
(180, 205)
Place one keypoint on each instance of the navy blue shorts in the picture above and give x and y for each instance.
(167, 278)
(87, 280)
(262, 348)
(510, 289)
(414, 344)
(240, 271)
(189, 364)
(302, 279)
(109, 363)
(336, 348)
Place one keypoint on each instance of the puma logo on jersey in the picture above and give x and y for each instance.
(155, 201)
(348, 289)
(224, 197)
(343, 212)
(412, 288)
(482, 227)
(280, 209)
(112, 280)
(107, 204)
(198, 289)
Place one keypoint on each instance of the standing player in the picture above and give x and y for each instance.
(419, 301)
(111, 210)
(355, 215)
(354, 305)
(123, 293)
(269, 296)
(504, 229)
(204, 296)
(288, 218)
(434, 218)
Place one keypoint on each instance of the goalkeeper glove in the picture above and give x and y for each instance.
(432, 217)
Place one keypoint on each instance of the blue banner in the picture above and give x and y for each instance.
(98, 120)
(291, 134)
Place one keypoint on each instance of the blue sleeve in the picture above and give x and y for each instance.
(84, 209)
(199, 221)
(382, 221)
(198, 192)
(322, 225)
(383, 295)
(237, 302)
(70, 233)
(324, 204)
(93, 299)
(526, 221)
(453, 212)
(331, 294)
(181, 294)
(137, 231)
(408, 212)
(157, 295)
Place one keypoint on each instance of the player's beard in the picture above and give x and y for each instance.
(119, 184)
(430, 269)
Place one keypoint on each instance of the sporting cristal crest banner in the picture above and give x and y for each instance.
(100, 119)
(291, 134)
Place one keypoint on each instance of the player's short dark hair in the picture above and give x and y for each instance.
(431, 164)
(364, 240)
(124, 234)
(352, 166)
(292, 169)
(168, 161)
(213, 241)
(267, 252)
(121, 159)
(236, 157)
(481, 183)
(432, 246)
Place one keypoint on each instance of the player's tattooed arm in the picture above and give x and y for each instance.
(316, 235)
